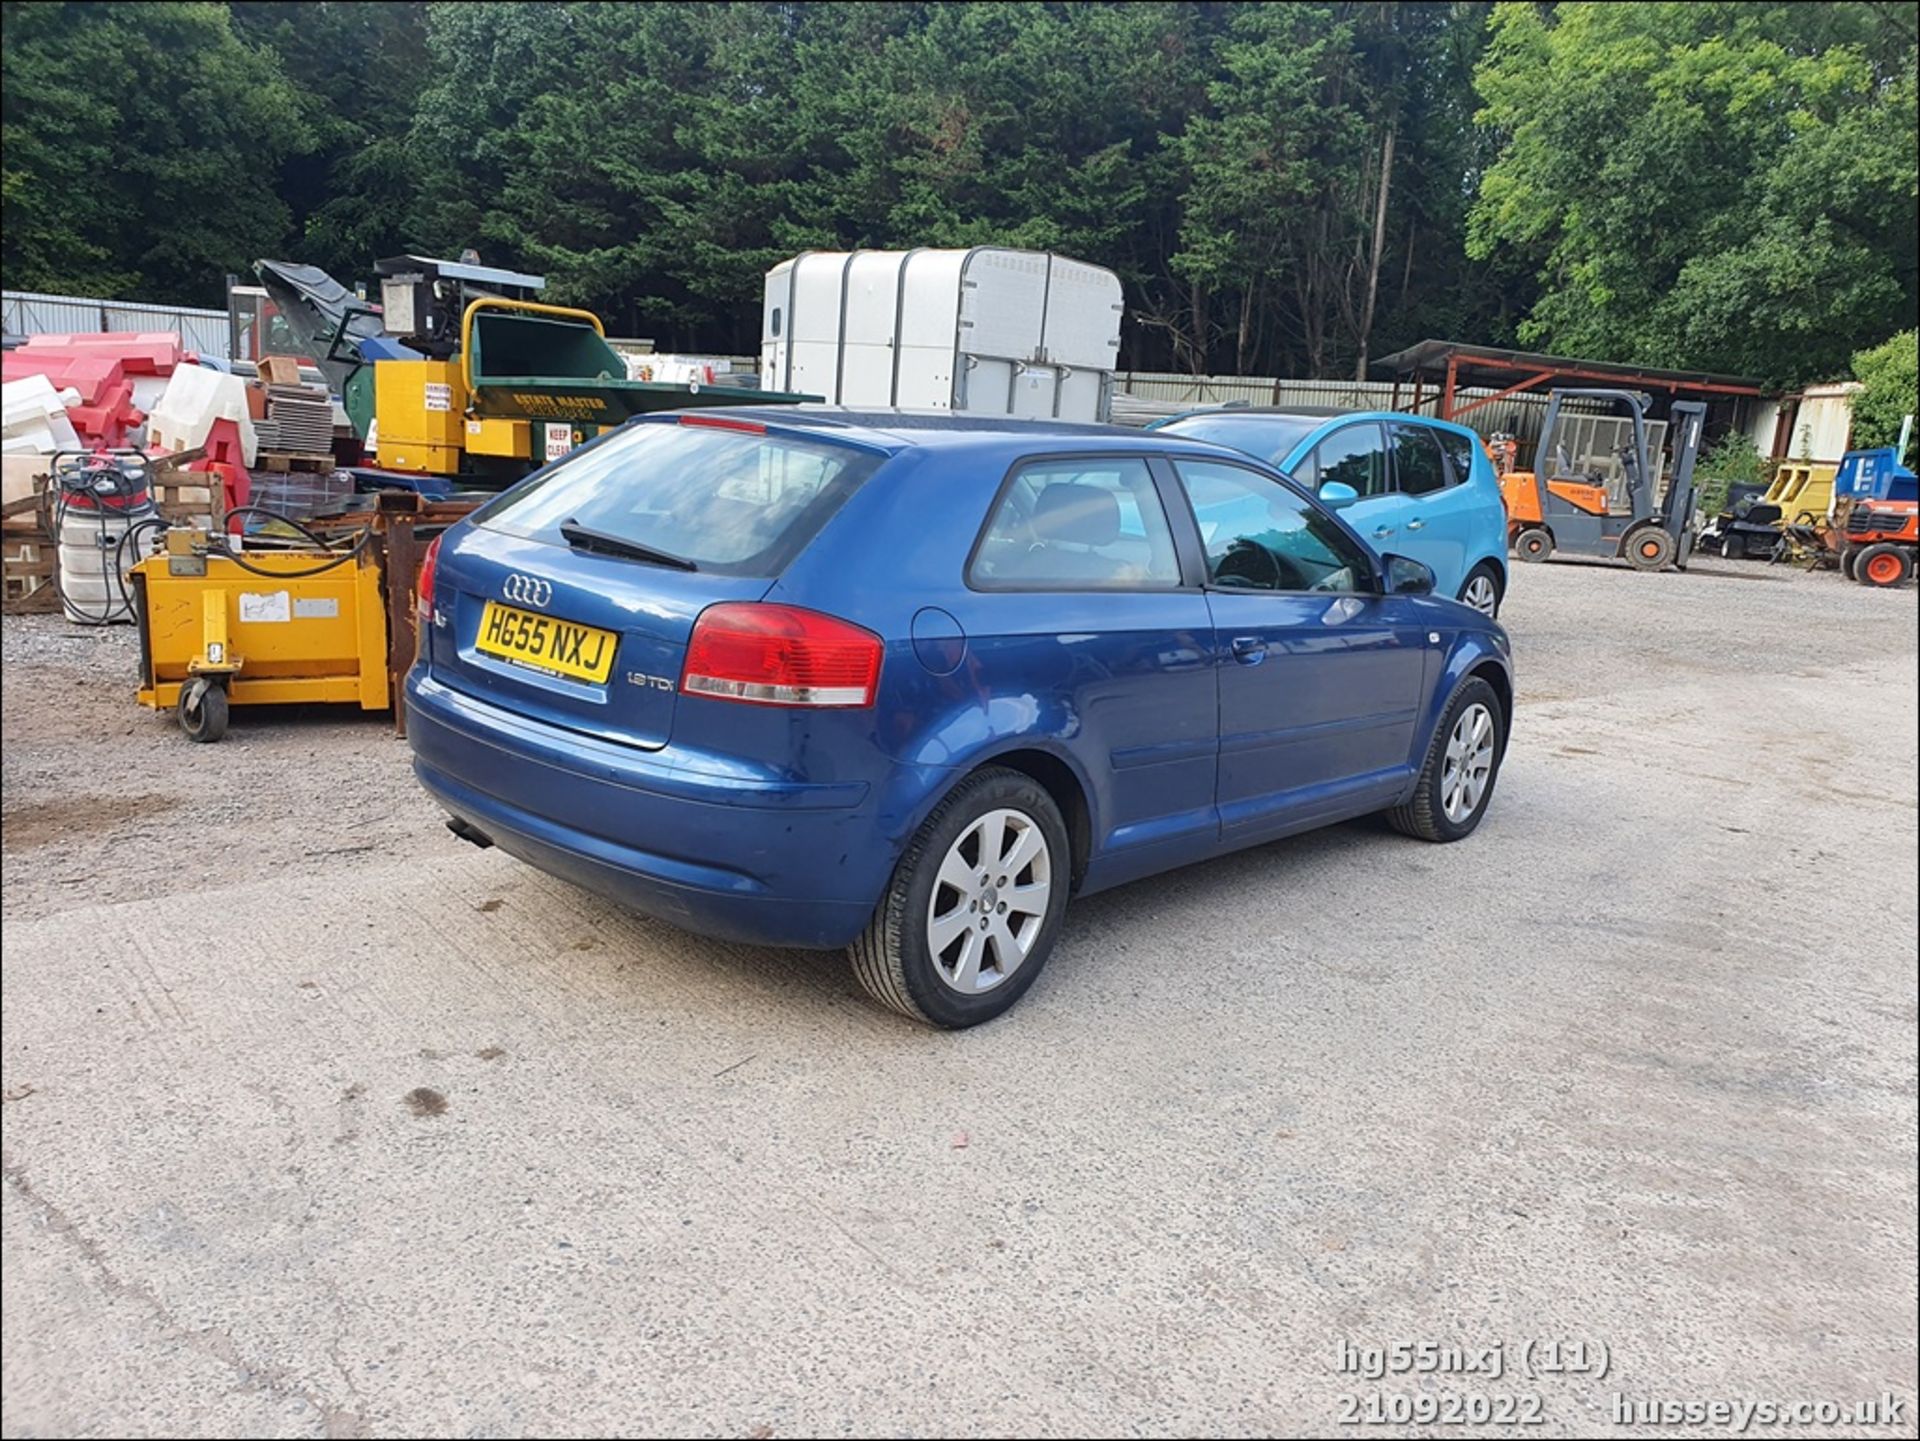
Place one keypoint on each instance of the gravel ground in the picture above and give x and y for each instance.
(319, 1122)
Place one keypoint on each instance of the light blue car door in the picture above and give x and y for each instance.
(1356, 455)
(1436, 520)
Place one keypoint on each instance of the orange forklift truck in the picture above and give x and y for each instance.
(1582, 502)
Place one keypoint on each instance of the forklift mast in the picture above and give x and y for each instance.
(1551, 464)
(1690, 418)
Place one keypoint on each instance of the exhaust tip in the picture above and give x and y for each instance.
(468, 831)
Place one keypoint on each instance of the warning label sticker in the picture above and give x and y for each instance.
(439, 397)
(273, 606)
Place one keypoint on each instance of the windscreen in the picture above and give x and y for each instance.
(1265, 437)
(736, 502)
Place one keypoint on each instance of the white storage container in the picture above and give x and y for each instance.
(94, 566)
(985, 331)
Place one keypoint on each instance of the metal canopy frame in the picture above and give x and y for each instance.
(1447, 365)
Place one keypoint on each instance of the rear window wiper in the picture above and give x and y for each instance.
(582, 537)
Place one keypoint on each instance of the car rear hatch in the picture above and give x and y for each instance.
(571, 599)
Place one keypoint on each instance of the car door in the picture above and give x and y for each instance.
(1080, 624)
(1475, 508)
(1436, 519)
(1320, 675)
(1356, 456)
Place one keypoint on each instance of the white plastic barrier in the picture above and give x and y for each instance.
(35, 417)
(194, 399)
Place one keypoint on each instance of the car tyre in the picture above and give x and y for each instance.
(895, 959)
(1481, 590)
(1535, 543)
(1440, 809)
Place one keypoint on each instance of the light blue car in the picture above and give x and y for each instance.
(1418, 487)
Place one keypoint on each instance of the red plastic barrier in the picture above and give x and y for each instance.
(101, 368)
(143, 352)
(223, 459)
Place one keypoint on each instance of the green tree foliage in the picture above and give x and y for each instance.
(1890, 375)
(1731, 460)
(1722, 186)
(355, 67)
(1285, 188)
(140, 146)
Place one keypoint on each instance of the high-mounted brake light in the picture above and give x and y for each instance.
(723, 422)
(781, 655)
(428, 567)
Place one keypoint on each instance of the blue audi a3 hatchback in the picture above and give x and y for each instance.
(905, 683)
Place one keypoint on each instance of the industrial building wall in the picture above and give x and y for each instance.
(31, 313)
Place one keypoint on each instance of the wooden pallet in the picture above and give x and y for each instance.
(28, 567)
(27, 558)
(186, 496)
(288, 461)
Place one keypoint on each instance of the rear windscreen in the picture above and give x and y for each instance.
(731, 501)
(1266, 437)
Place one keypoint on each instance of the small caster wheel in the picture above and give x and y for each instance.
(203, 711)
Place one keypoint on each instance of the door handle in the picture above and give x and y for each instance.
(1381, 532)
(1416, 524)
(1249, 649)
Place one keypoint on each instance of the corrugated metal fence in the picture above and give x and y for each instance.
(30, 313)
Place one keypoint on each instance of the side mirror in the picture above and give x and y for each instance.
(1336, 495)
(1408, 577)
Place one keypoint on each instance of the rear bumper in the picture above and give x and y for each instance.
(754, 859)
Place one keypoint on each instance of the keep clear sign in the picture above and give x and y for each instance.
(559, 441)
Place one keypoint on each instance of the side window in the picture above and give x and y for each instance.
(1307, 472)
(1259, 535)
(1417, 466)
(1092, 524)
(1459, 449)
(1354, 455)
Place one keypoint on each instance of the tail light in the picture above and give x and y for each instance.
(424, 590)
(781, 655)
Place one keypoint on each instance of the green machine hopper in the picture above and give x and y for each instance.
(524, 360)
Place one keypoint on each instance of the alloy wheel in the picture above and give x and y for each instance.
(1482, 595)
(1469, 763)
(989, 901)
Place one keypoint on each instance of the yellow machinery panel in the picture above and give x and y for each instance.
(1802, 488)
(420, 409)
(296, 633)
(500, 436)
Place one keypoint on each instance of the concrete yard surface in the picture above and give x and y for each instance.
(319, 1122)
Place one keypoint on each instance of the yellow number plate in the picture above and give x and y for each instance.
(540, 642)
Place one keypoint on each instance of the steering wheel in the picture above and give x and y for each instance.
(1249, 565)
